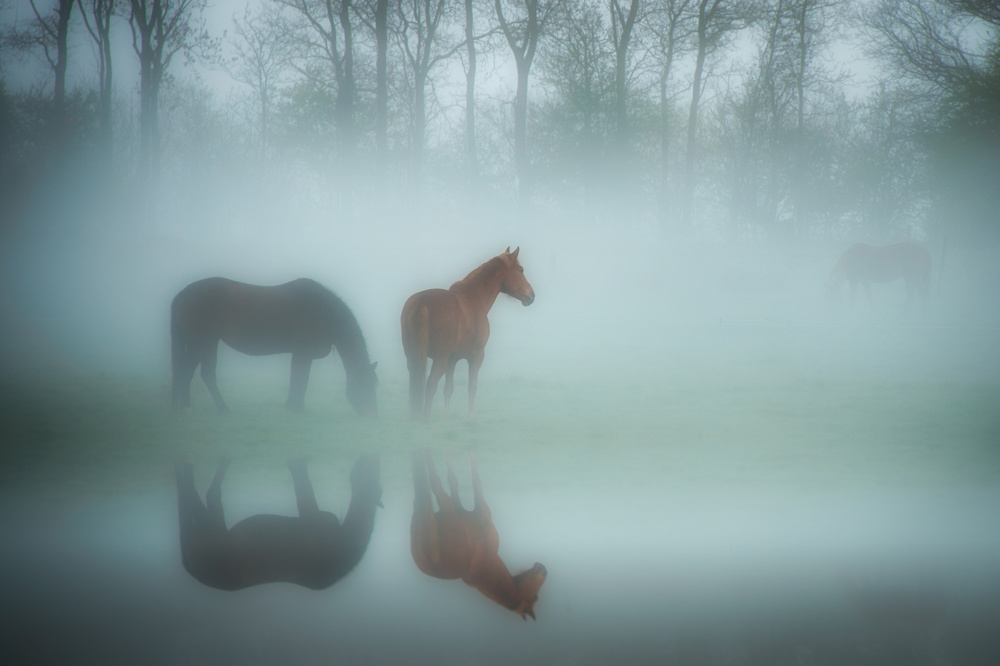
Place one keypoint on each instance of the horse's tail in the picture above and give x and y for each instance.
(416, 343)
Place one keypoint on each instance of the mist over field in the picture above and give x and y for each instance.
(721, 452)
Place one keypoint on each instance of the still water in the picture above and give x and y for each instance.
(846, 578)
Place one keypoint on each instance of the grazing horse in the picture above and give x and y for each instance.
(301, 317)
(455, 543)
(863, 264)
(449, 325)
(313, 549)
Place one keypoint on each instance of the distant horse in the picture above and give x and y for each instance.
(313, 549)
(863, 264)
(301, 317)
(449, 325)
(456, 543)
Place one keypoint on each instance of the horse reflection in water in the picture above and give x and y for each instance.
(456, 543)
(313, 550)
(863, 264)
(449, 325)
(302, 318)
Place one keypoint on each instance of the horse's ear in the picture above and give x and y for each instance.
(507, 251)
(513, 255)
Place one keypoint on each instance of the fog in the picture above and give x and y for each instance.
(726, 561)
(716, 461)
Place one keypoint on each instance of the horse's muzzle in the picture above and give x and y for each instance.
(529, 299)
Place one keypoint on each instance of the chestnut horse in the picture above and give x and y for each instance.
(864, 264)
(301, 317)
(449, 325)
(455, 543)
(313, 550)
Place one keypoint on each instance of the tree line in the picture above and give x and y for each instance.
(726, 118)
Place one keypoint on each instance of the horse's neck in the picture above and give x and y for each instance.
(359, 521)
(352, 350)
(495, 581)
(481, 291)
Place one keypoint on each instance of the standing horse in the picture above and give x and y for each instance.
(313, 549)
(301, 317)
(455, 543)
(863, 264)
(449, 325)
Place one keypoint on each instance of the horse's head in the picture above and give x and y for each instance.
(528, 583)
(361, 390)
(365, 480)
(514, 283)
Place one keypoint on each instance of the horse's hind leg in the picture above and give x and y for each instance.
(298, 383)
(449, 384)
(417, 368)
(305, 498)
(437, 371)
(213, 497)
(445, 502)
(209, 359)
(479, 502)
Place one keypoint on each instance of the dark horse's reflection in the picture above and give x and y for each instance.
(313, 549)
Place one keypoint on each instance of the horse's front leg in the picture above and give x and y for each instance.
(449, 384)
(305, 498)
(184, 363)
(475, 362)
(209, 359)
(299, 380)
(213, 497)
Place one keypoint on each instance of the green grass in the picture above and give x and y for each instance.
(89, 434)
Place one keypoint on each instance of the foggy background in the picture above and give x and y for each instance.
(678, 224)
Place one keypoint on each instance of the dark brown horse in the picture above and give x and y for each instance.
(864, 264)
(455, 543)
(301, 317)
(449, 325)
(313, 549)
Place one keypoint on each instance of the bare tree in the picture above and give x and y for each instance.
(327, 36)
(97, 16)
(522, 37)
(261, 56)
(932, 42)
(160, 30)
(622, 24)
(718, 20)
(671, 26)
(52, 33)
(424, 46)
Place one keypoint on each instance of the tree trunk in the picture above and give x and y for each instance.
(381, 79)
(346, 91)
(471, 163)
(521, 132)
(62, 57)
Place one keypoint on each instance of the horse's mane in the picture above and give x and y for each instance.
(481, 273)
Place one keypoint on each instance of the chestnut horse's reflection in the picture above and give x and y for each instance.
(456, 543)
(313, 549)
